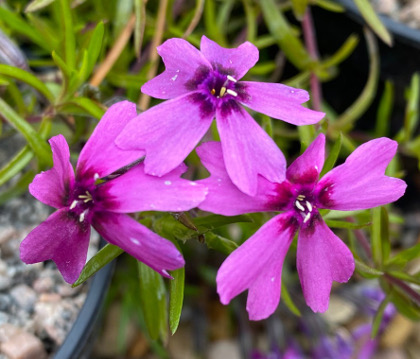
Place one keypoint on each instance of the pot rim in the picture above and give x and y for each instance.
(402, 32)
(80, 333)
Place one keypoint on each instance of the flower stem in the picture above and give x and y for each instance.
(310, 42)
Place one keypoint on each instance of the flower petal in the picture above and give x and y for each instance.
(181, 61)
(61, 238)
(321, 259)
(167, 132)
(137, 191)
(52, 187)
(254, 265)
(100, 155)
(236, 61)
(138, 241)
(248, 150)
(360, 182)
(281, 102)
(307, 167)
(223, 196)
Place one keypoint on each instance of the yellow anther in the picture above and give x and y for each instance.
(222, 91)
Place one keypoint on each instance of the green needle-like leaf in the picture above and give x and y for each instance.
(28, 78)
(104, 256)
(176, 298)
(36, 5)
(35, 141)
(373, 20)
(152, 300)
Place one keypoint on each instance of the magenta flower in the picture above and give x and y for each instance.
(322, 257)
(201, 85)
(64, 236)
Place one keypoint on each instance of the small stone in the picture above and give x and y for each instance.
(6, 234)
(19, 344)
(339, 311)
(397, 332)
(66, 290)
(43, 284)
(5, 282)
(49, 297)
(224, 349)
(5, 302)
(24, 296)
(4, 318)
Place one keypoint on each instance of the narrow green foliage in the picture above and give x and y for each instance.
(404, 305)
(69, 41)
(219, 243)
(350, 115)
(348, 225)
(329, 5)
(377, 252)
(377, 319)
(213, 31)
(140, 11)
(299, 8)
(176, 298)
(404, 256)
(82, 106)
(104, 256)
(94, 47)
(251, 20)
(287, 300)
(267, 125)
(35, 141)
(214, 221)
(342, 53)
(26, 77)
(20, 26)
(383, 117)
(36, 5)
(333, 155)
(306, 135)
(412, 110)
(19, 188)
(373, 20)
(153, 301)
(366, 271)
(285, 36)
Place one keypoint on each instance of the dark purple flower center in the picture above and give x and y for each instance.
(304, 207)
(83, 200)
(216, 88)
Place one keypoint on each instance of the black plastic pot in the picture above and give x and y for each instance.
(400, 31)
(79, 341)
(397, 64)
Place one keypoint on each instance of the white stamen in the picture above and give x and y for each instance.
(306, 219)
(82, 216)
(73, 204)
(309, 205)
(231, 92)
(168, 183)
(298, 205)
(230, 78)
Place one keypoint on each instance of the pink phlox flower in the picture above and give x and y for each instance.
(322, 258)
(205, 84)
(80, 202)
